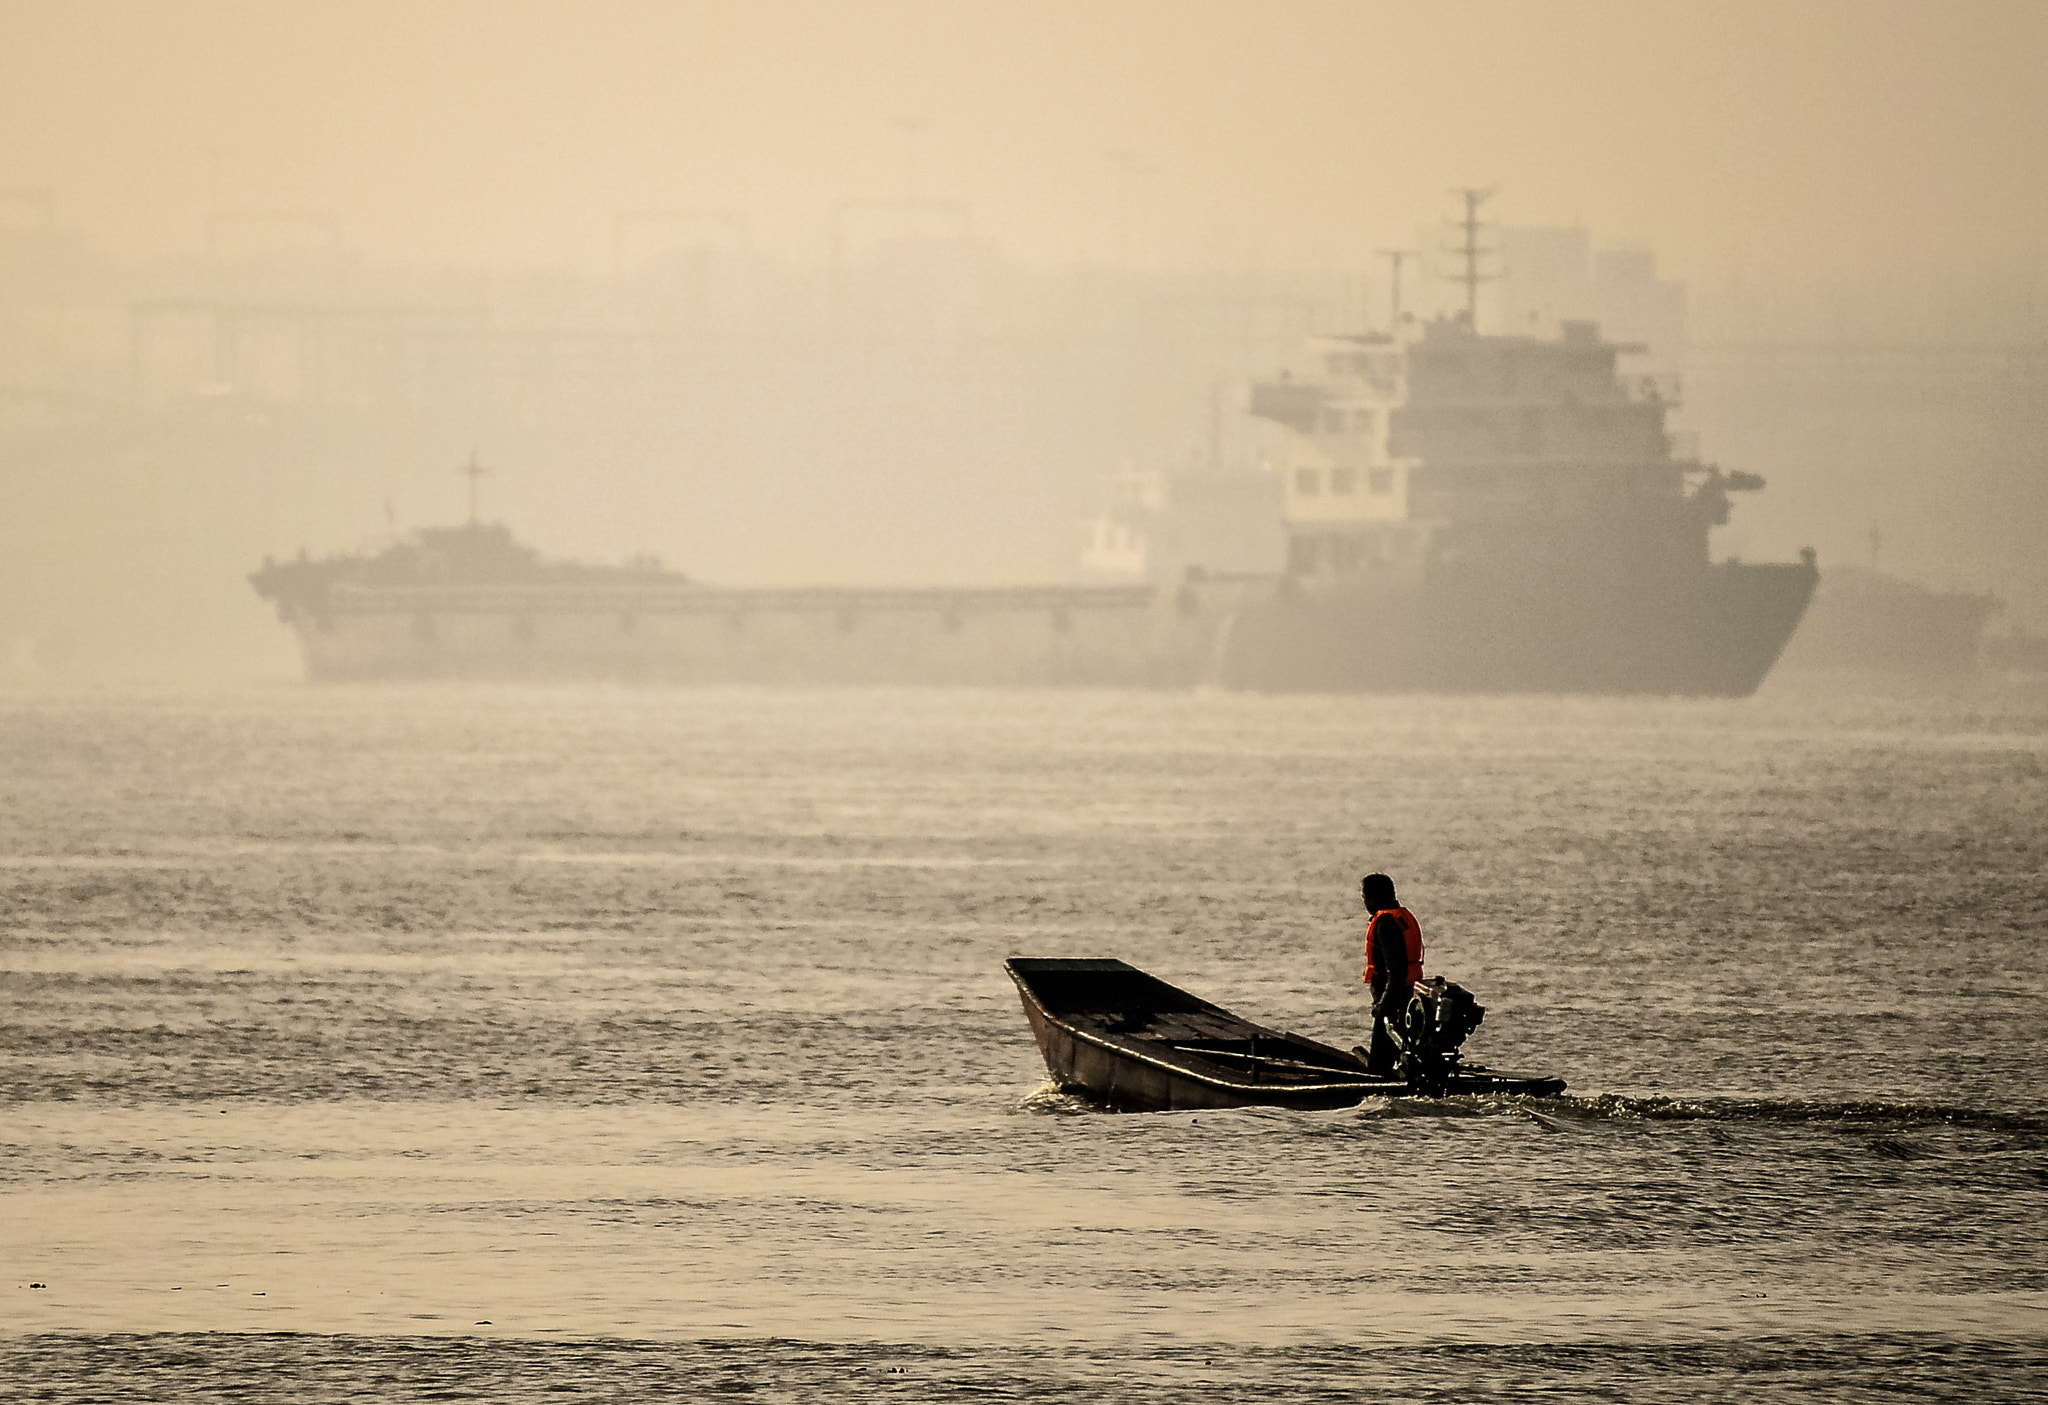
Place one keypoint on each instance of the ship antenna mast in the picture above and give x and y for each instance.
(1395, 258)
(474, 472)
(1471, 252)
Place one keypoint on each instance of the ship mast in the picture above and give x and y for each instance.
(474, 472)
(1395, 258)
(1471, 252)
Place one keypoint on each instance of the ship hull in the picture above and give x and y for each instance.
(1116, 636)
(1713, 632)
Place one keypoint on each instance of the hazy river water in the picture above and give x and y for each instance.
(614, 1044)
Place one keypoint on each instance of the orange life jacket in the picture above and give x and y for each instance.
(1411, 932)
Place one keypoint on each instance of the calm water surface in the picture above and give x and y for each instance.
(610, 1043)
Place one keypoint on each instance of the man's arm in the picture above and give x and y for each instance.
(1390, 965)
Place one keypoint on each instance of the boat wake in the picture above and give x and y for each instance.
(1048, 1099)
(1609, 1107)
(1590, 1113)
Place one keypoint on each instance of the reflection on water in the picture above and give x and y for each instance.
(451, 1021)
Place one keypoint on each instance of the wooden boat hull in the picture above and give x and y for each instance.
(1129, 1040)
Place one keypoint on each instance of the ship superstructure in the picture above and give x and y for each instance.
(1344, 492)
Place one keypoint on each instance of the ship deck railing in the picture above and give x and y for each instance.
(651, 599)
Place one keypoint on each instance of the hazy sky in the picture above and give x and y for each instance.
(1862, 137)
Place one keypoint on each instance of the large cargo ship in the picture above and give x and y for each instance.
(1470, 513)
(1462, 513)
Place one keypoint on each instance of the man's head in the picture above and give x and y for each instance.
(1378, 890)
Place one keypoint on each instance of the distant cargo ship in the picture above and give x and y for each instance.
(471, 602)
(1865, 620)
(1462, 513)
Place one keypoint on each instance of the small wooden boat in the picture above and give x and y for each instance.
(1128, 1039)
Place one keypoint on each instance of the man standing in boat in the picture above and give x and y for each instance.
(1393, 964)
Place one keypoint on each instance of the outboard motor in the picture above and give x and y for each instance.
(1439, 1018)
